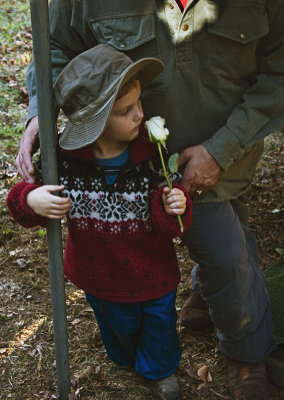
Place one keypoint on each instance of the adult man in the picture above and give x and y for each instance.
(221, 92)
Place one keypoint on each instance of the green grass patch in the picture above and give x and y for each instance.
(16, 54)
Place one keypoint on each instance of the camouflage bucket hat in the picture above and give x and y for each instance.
(87, 87)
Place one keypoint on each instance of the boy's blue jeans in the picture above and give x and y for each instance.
(231, 282)
(142, 335)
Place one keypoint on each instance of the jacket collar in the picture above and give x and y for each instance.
(140, 149)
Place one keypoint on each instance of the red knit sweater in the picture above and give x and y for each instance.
(119, 245)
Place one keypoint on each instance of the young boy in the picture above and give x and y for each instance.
(121, 216)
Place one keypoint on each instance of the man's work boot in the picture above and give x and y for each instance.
(195, 313)
(247, 381)
(166, 389)
(275, 366)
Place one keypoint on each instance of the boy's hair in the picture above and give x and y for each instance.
(127, 86)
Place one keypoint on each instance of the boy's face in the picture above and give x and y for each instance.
(125, 118)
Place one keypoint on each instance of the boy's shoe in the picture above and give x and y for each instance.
(195, 313)
(166, 389)
(248, 381)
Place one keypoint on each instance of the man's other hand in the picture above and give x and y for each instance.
(28, 146)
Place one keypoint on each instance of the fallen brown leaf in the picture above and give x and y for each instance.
(204, 373)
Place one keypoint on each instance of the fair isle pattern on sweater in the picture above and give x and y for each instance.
(108, 211)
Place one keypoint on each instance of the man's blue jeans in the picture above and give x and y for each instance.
(229, 279)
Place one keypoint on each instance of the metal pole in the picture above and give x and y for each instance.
(45, 103)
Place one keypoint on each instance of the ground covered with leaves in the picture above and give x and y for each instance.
(27, 366)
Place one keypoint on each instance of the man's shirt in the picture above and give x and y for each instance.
(223, 83)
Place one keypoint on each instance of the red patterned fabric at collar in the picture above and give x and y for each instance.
(85, 153)
(141, 148)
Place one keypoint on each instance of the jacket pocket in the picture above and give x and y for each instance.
(242, 26)
(132, 33)
(234, 31)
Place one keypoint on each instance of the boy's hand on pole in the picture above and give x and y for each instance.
(174, 201)
(46, 204)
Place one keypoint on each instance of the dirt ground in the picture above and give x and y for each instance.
(27, 370)
(27, 362)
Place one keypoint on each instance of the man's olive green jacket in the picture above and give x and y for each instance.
(223, 83)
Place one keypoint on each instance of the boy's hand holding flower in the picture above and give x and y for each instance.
(158, 134)
(174, 201)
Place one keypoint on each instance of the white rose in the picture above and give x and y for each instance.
(156, 129)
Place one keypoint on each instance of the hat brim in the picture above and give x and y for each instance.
(82, 133)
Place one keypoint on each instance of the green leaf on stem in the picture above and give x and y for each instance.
(173, 163)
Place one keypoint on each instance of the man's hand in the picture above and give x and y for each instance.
(201, 171)
(28, 146)
(46, 204)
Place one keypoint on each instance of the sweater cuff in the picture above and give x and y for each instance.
(23, 200)
(17, 205)
(165, 223)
